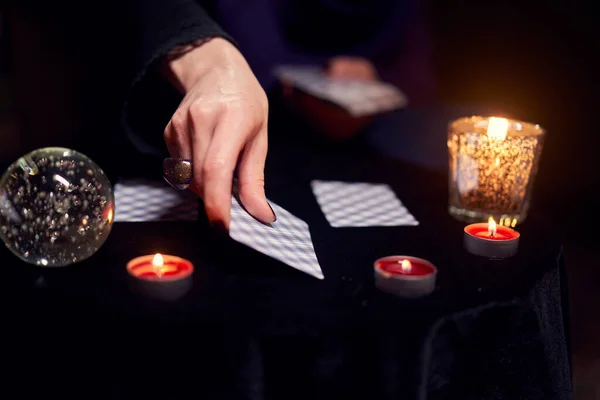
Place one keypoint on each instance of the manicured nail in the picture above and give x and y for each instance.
(219, 228)
(273, 211)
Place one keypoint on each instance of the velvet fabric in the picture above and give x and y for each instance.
(253, 328)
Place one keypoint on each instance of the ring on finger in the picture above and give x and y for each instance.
(178, 172)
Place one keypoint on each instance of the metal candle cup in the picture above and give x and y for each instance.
(490, 240)
(405, 276)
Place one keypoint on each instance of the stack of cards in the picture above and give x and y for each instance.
(359, 98)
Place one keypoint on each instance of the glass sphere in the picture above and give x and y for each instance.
(56, 207)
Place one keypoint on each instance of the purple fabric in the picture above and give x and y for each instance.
(255, 27)
(390, 33)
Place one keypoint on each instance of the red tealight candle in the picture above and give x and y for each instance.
(490, 240)
(161, 276)
(405, 276)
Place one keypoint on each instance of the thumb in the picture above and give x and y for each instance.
(251, 179)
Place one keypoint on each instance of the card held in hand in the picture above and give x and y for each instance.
(351, 204)
(288, 239)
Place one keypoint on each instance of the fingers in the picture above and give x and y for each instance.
(217, 170)
(216, 137)
(215, 140)
(202, 122)
(177, 136)
(188, 136)
(251, 178)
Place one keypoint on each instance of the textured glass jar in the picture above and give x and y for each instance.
(493, 164)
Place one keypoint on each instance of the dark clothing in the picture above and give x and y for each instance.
(160, 26)
(273, 32)
(105, 52)
(389, 33)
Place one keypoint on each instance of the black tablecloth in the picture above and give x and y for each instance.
(254, 328)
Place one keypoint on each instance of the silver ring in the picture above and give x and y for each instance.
(178, 172)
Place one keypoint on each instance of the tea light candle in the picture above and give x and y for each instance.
(405, 276)
(490, 240)
(160, 276)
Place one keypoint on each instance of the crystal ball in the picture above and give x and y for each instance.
(56, 207)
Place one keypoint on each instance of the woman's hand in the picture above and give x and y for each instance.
(221, 125)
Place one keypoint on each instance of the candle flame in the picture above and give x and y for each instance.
(492, 226)
(406, 266)
(157, 264)
(497, 128)
(158, 261)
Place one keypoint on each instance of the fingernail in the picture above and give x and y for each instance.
(219, 228)
(273, 211)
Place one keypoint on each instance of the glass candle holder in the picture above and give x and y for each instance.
(493, 163)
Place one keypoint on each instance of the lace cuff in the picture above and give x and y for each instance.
(180, 50)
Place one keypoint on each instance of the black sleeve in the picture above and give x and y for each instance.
(155, 28)
(115, 45)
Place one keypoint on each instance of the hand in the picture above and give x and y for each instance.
(327, 118)
(220, 124)
(352, 68)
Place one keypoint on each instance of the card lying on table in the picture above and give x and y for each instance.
(146, 200)
(348, 204)
(287, 239)
(359, 98)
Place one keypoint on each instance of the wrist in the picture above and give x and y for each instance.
(185, 65)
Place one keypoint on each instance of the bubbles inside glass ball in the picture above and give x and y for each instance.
(56, 207)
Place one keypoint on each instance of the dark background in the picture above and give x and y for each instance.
(536, 61)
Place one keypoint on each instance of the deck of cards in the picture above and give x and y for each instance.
(359, 98)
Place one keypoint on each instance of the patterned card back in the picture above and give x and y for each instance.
(288, 239)
(146, 200)
(360, 204)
